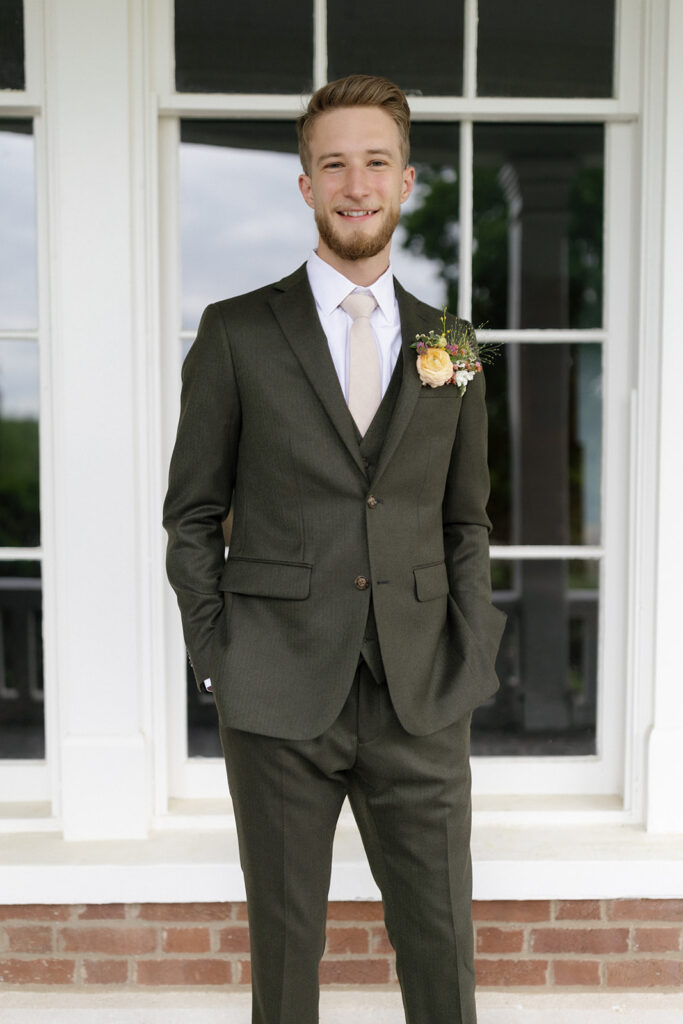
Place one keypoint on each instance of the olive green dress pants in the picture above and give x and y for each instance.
(411, 797)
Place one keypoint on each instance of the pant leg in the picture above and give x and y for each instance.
(287, 796)
(411, 797)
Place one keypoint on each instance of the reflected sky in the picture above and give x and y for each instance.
(19, 397)
(244, 224)
(18, 289)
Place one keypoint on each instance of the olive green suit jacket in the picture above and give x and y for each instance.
(279, 625)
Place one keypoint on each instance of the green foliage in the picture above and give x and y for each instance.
(19, 484)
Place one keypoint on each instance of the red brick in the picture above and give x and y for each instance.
(656, 940)
(34, 912)
(105, 972)
(37, 972)
(517, 911)
(190, 912)
(128, 941)
(645, 974)
(234, 940)
(201, 971)
(29, 939)
(576, 972)
(186, 940)
(354, 972)
(578, 910)
(579, 940)
(493, 973)
(379, 941)
(348, 940)
(243, 971)
(102, 912)
(499, 940)
(239, 912)
(356, 910)
(645, 910)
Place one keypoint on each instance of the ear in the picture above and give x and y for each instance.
(408, 182)
(306, 189)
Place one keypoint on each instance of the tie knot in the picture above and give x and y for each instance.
(358, 304)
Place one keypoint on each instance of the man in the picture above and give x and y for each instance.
(350, 633)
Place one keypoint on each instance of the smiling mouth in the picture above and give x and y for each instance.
(356, 213)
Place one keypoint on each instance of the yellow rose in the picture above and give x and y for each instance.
(434, 367)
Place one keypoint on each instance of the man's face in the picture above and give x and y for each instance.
(357, 182)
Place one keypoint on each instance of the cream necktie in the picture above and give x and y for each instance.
(365, 392)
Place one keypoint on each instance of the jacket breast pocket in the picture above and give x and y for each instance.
(431, 581)
(255, 577)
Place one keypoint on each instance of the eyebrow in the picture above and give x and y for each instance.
(368, 152)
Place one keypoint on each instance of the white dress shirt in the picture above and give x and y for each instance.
(329, 288)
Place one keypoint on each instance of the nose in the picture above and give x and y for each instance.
(356, 182)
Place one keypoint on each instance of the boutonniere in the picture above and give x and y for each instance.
(449, 356)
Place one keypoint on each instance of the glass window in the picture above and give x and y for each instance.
(18, 289)
(12, 73)
(258, 47)
(538, 225)
(21, 661)
(420, 51)
(541, 48)
(545, 428)
(19, 464)
(547, 664)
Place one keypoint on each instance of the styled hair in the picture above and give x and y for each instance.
(355, 91)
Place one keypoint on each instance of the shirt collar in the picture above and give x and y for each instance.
(329, 287)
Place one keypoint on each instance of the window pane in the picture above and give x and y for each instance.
(538, 225)
(545, 428)
(18, 290)
(19, 471)
(256, 47)
(22, 732)
(12, 74)
(547, 664)
(243, 220)
(387, 38)
(540, 48)
(426, 251)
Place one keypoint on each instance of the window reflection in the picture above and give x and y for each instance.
(537, 48)
(538, 225)
(547, 664)
(391, 39)
(545, 442)
(18, 288)
(22, 733)
(19, 437)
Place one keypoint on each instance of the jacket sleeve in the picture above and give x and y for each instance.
(466, 525)
(200, 486)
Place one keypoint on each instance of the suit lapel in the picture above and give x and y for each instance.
(413, 321)
(294, 307)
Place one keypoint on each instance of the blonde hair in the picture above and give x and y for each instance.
(355, 91)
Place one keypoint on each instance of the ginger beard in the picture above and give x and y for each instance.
(360, 245)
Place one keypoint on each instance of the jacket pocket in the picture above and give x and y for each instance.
(262, 578)
(431, 581)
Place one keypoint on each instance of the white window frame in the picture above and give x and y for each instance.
(604, 786)
(28, 781)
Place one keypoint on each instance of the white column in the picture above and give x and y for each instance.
(97, 568)
(665, 765)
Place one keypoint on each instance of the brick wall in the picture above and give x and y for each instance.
(582, 944)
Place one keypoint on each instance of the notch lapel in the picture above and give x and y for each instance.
(294, 308)
(414, 315)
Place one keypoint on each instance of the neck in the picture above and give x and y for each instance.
(363, 272)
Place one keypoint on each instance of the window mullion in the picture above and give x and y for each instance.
(319, 43)
(466, 196)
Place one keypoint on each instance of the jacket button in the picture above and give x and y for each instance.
(361, 583)
(372, 502)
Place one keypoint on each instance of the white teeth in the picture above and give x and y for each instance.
(355, 213)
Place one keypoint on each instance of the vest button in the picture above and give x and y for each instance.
(361, 583)
(372, 502)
